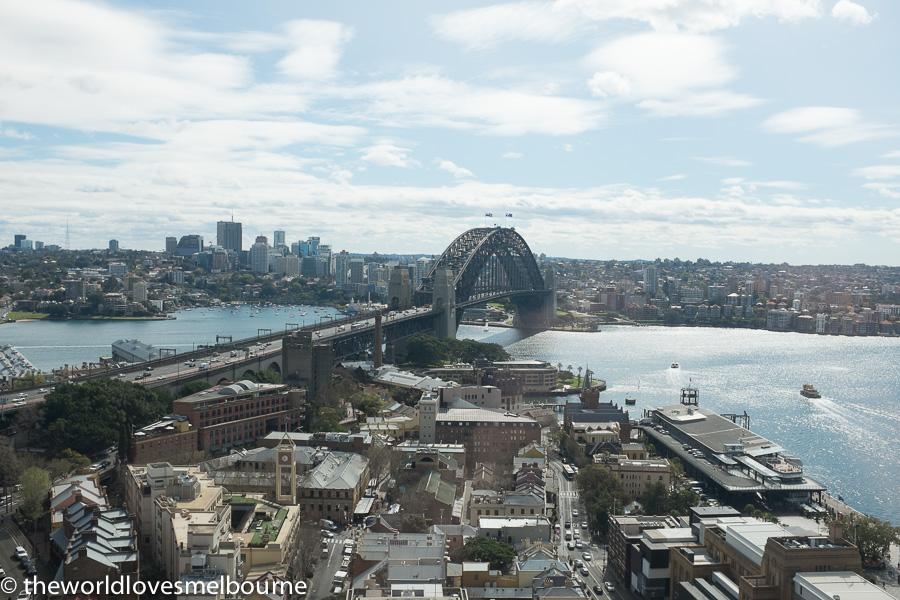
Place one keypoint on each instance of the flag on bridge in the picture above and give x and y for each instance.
(509, 214)
(489, 214)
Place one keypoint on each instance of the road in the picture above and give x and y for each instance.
(568, 502)
(256, 352)
(10, 537)
(321, 585)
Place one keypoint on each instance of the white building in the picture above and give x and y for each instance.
(259, 255)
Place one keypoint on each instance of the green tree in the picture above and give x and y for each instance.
(10, 468)
(655, 499)
(35, 484)
(369, 403)
(873, 537)
(91, 416)
(602, 494)
(326, 418)
(481, 549)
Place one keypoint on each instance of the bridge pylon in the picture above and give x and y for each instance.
(444, 301)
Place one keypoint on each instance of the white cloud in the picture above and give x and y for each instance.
(317, 48)
(431, 100)
(888, 190)
(881, 179)
(512, 155)
(698, 104)
(387, 154)
(893, 154)
(608, 83)
(568, 148)
(106, 69)
(827, 126)
(675, 177)
(15, 134)
(878, 172)
(667, 74)
(696, 15)
(723, 161)
(485, 27)
(557, 21)
(854, 13)
(454, 169)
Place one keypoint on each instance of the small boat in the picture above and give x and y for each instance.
(809, 391)
(675, 366)
(630, 401)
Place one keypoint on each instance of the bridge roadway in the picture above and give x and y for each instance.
(252, 353)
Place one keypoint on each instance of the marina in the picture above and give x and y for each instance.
(13, 363)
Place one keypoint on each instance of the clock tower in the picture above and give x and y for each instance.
(285, 472)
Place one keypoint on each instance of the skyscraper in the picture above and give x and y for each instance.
(229, 235)
(171, 244)
(189, 245)
(259, 255)
(278, 240)
(342, 268)
(357, 272)
(18, 239)
(423, 265)
(650, 280)
(113, 245)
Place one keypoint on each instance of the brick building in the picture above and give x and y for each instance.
(235, 415)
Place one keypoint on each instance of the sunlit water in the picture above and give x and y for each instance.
(849, 439)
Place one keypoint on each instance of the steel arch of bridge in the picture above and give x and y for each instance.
(487, 262)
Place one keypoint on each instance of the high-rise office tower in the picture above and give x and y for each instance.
(357, 270)
(113, 245)
(650, 281)
(278, 239)
(229, 235)
(259, 255)
(171, 244)
(342, 268)
(189, 245)
(18, 239)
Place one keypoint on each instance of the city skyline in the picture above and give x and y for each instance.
(609, 130)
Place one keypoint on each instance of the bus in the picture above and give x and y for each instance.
(568, 472)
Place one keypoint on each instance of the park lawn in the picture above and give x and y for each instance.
(18, 315)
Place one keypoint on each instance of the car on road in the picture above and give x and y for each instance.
(577, 563)
(587, 556)
(327, 534)
(584, 571)
(568, 524)
(609, 586)
(598, 589)
(571, 545)
(21, 553)
(584, 524)
(579, 545)
(23, 595)
(575, 513)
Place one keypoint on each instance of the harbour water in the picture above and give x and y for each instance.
(51, 344)
(849, 440)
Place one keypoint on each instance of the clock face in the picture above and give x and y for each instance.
(284, 458)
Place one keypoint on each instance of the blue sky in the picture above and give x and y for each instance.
(764, 130)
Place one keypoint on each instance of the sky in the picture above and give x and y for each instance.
(760, 130)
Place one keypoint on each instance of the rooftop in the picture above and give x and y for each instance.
(338, 470)
(480, 415)
(238, 389)
(839, 584)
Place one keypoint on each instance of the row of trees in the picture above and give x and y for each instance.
(426, 351)
(94, 415)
